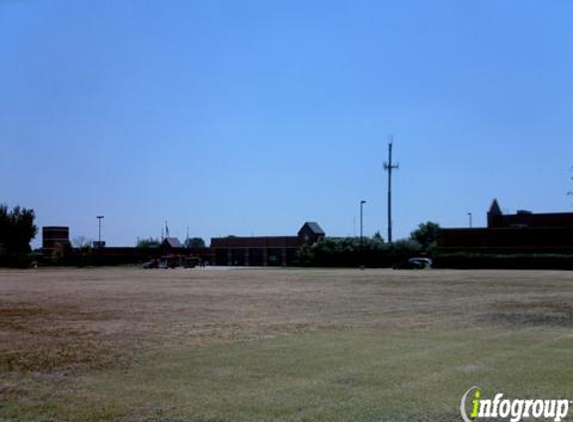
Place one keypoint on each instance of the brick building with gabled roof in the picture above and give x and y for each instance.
(519, 232)
(263, 250)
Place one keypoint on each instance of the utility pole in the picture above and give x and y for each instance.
(470, 216)
(389, 166)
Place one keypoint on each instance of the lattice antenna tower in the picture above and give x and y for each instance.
(389, 166)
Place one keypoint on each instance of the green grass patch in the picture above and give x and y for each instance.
(363, 375)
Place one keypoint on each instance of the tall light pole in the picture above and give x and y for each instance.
(361, 221)
(99, 218)
(470, 216)
(389, 166)
(362, 202)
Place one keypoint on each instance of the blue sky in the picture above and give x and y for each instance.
(251, 117)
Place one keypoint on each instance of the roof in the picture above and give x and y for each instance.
(494, 208)
(173, 242)
(316, 229)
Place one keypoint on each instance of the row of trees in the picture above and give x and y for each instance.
(17, 229)
(371, 251)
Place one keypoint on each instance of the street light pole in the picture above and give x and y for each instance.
(471, 222)
(362, 202)
(99, 217)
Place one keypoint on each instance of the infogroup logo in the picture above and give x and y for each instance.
(474, 406)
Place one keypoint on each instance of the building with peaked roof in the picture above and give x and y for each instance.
(526, 219)
(310, 232)
(263, 250)
(172, 242)
(519, 232)
(171, 246)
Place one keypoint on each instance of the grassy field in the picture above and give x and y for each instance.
(278, 345)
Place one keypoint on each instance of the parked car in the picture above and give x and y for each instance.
(164, 262)
(152, 263)
(418, 263)
(426, 262)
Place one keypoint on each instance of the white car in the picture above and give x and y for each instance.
(422, 261)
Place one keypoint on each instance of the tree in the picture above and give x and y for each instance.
(17, 229)
(378, 237)
(195, 242)
(81, 242)
(407, 246)
(147, 243)
(376, 243)
(306, 255)
(426, 234)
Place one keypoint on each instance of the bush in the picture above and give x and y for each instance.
(347, 252)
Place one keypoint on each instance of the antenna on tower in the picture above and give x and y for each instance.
(389, 166)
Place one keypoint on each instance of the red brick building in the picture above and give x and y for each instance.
(519, 232)
(55, 239)
(263, 251)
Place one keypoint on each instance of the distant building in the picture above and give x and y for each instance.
(55, 239)
(231, 250)
(526, 219)
(171, 245)
(263, 250)
(522, 231)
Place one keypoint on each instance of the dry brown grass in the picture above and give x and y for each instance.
(59, 324)
(70, 319)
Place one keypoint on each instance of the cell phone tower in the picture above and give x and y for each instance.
(389, 166)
